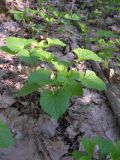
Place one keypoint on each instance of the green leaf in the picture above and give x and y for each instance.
(56, 12)
(83, 27)
(115, 153)
(73, 89)
(28, 57)
(24, 56)
(28, 89)
(106, 55)
(88, 146)
(60, 65)
(85, 54)
(73, 75)
(55, 41)
(105, 146)
(67, 77)
(42, 55)
(90, 80)
(6, 49)
(47, 18)
(15, 44)
(118, 41)
(18, 15)
(6, 139)
(106, 34)
(43, 44)
(85, 158)
(51, 102)
(31, 12)
(74, 17)
(62, 77)
(41, 77)
(77, 155)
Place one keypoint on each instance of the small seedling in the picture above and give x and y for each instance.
(106, 51)
(105, 146)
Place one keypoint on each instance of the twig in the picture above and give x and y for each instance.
(114, 102)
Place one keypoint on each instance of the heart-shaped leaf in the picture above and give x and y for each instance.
(51, 102)
(41, 77)
(42, 55)
(89, 79)
(15, 44)
(85, 54)
(25, 56)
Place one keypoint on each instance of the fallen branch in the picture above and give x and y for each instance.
(113, 100)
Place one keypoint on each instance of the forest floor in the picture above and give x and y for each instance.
(38, 136)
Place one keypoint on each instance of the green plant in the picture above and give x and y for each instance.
(6, 139)
(106, 51)
(59, 83)
(26, 17)
(118, 61)
(106, 149)
(118, 42)
(106, 34)
(51, 16)
(106, 42)
(106, 7)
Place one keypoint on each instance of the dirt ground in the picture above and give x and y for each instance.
(37, 136)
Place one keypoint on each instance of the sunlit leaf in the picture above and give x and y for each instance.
(47, 18)
(43, 44)
(17, 44)
(75, 17)
(60, 65)
(42, 55)
(90, 80)
(55, 41)
(85, 54)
